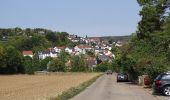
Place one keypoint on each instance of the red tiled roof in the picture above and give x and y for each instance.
(27, 53)
(62, 47)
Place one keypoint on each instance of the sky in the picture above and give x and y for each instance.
(80, 17)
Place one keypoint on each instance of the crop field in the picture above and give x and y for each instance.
(39, 86)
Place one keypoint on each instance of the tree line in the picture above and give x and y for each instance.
(148, 50)
(17, 40)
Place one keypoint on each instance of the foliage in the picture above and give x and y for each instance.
(56, 65)
(35, 43)
(12, 61)
(148, 51)
(58, 38)
(44, 63)
(78, 64)
(103, 67)
(38, 39)
(63, 56)
(90, 53)
(153, 16)
(28, 65)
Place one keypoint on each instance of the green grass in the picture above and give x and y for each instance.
(75, 90)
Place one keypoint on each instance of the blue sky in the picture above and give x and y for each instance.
(81, 17)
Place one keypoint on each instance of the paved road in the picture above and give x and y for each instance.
(106, 88)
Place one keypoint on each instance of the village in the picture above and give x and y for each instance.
(98, 49)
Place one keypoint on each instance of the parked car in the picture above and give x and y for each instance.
(162, 84)
(122, 77)
(109, 72)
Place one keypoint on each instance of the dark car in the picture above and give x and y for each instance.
(162, 84)
(109, 72)
(122, 77)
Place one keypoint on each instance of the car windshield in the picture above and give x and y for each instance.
(158, 77)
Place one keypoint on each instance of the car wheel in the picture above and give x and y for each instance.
(166, 90)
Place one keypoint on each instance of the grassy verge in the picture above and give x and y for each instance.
(75, 90)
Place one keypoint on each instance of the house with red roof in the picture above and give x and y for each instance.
(27, 53)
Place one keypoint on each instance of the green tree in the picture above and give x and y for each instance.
(103, 67)
(44, 63)
(152, 14)
(2, 59)
(28, 65)
(78, 64)
(51, 37)
(56, 65)
(13, 61)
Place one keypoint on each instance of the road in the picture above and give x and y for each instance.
(106, 88)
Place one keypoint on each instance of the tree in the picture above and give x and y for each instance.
(28, 65)
(78, 64)
(35, 43)
(63, 56)
(28, 32)
(152, 13)
(18, 31)
(56, 65)
(13, 61)
(51, 37)
(103, 67)
(2, 60)
(44, 63)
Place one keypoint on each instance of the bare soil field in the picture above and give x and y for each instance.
(39, 86)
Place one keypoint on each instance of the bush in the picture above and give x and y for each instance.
(28, 65)
(11, 61)
(44, 63)
(78, 64)
(56, 65)
(103, 67)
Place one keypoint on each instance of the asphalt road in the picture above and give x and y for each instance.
(106, 88)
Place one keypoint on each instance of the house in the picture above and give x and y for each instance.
(91, 62)
(59, 49)
(120, 43)
(82, 48)
(69, 50)
(98, 51)
(27, 53)
(103, 58)
(4, 38)
(72, 37)
(94, 40)
(44, 54)
(108, 53)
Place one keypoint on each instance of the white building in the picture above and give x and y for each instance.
(44, 54)
(82, 48)
(68, 50)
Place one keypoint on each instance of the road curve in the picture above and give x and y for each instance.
(106, 88)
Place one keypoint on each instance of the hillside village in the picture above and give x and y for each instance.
(37, 49)
(100, 49)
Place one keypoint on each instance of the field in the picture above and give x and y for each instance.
(40, 86)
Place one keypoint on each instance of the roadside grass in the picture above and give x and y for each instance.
(75, 90)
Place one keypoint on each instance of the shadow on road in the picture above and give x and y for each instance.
(148, 89)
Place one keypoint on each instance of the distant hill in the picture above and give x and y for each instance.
(115, 38)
